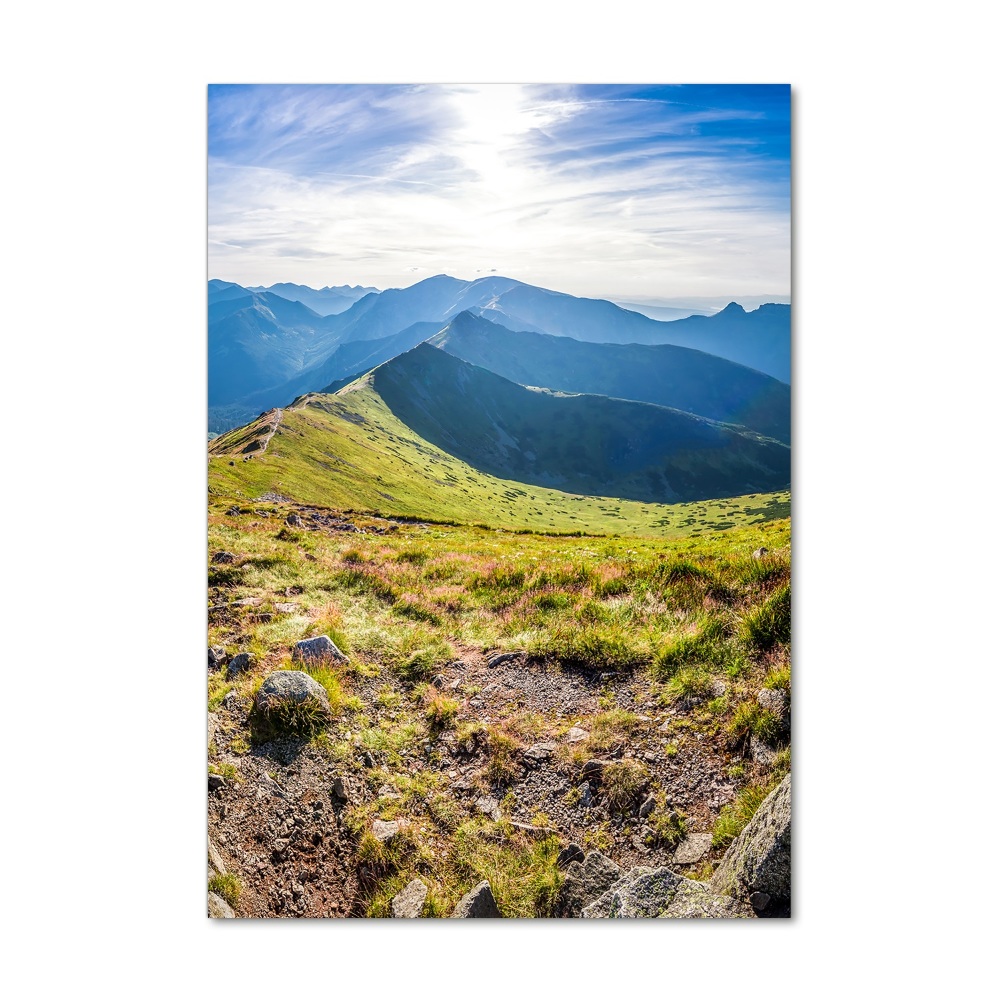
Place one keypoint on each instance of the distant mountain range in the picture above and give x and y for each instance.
(678, 377)
(264, 349)
(326, 301)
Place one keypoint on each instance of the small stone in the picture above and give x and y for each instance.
(218, 907)
(216, 782)
(593, 770)
(230, 700)
(693, 848)
(284, 608)
(719, 688)
(759, 553)
(777, 703)
(437, 681)
(576, 735)
(540, 752)
(489, 807)
(478, 902)
(388, 792)
(318, 649)
(502, 658)
(223, 557)
(455, 684)
(569, 854)
(294, 521)
(384, 831)
(759, 901)
(213, 725)
(216, 657)
(647, 807)
(215, 858)
(586, 796)
(343, 789)
(239, 664)
(409, 902)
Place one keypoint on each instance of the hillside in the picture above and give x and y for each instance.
(579, 443)
(351, 451)
(677, 377)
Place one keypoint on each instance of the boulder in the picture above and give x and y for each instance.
(760, 858)
(291, 687)
(319, 649)
(218, 907)
(539, 752)
(659, 892)
(489, 807)
(239, 664)
(410, 901)
(216, 657)
(576, 735)
(584, 882)
(294, 521)
(478, 902)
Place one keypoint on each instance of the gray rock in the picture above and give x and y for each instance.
(489, 807)
(216, 657)
(584, 882)
(384, 831)
(410, 901)
(215, 858)
(576, 735)
(223, 557)
(437, 681)
(540, 752)
(586, 795)
(216, 782)
(213, 725)
(761, 752)
(659, 892)
(569, 854)
(478, 902)
(239, 664)
(692, 848)
(760, 901)
(760, 858)
(285, 607)
(718, 688)
(291, 686)
(759, 553)
(647, 807)
(501, 658)
(593, 771)
(218, 907)
(230, 700)
(318, 649)
(777, 703)
(294, 521)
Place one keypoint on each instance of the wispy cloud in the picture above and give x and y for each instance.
(597, 190)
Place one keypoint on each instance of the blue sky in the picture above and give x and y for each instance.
(637, 193)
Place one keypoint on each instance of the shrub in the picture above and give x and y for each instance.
(441, 712)
(769, 624)
(622, 783)
(227, 886)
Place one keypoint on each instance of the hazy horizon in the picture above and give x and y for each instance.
(630, 193)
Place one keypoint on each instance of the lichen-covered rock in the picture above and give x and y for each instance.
(410, 901)
(478, 902)
(692, 848)
(584, 882)
(318, 649)
(216, 657)
(215, 858)
(760, 858)
(569, 854)
(384, 831)
(659, 892)
(291, 687)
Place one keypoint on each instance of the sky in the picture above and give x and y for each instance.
(633, 193)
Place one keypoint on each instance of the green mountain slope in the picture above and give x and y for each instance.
(582, 443)
(350, 451)
(678, 377)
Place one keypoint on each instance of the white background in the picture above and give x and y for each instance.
(103, 454)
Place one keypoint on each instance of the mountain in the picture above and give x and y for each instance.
(258, 340)
(677, 377)
(586, 444)
(327, 301)
(760, 339)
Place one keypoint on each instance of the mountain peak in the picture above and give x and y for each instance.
(733, 309)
